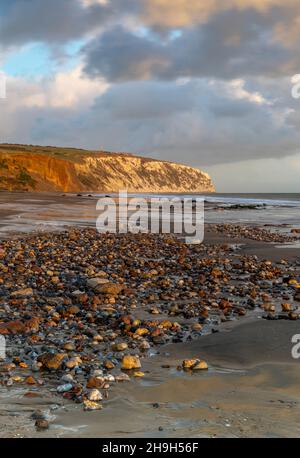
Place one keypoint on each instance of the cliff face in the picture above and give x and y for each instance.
(52, 169)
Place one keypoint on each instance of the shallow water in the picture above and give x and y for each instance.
(21, 212)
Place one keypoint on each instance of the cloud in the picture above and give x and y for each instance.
(184, 13)
(201, 122)
(52, 22)
(233, 44)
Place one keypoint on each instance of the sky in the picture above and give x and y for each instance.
(207, 83)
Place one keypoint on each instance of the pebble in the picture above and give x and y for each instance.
(94, 395)
(200, 366)
(73, 362)
(27, 292)
(64, 388)
(130, 362)
(194, 364)
(42, 425)
(38, 415)
(95, 382)
(94, 282)
(81, 299)
(67, 378)
(122, 378)
(138, 374)
(90, 405)
(51, 361)
(120, 346)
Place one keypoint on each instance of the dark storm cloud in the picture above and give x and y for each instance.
(55, 21)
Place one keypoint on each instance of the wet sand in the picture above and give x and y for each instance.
(250, 390)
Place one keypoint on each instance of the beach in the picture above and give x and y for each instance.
(230, 302)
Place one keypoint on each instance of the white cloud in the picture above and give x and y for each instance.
(66, 90)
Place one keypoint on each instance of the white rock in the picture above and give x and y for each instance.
(94, 396)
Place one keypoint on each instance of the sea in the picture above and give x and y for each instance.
(27, 212)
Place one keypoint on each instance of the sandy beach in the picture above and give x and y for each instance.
(251, 387)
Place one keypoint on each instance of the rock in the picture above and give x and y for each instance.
(110, 289)
(12, 327)
(35, 367)
(67, 378)
(297, 297)
(51, 361)
(74, 310)
(42, 425)
(94, 282)
(141, 332)
(38, 415)
(144, 345)
(27, 292)
(95, 382)
(7, 367)
(108, 364)
(189, 363)
(97, 373)
(130, 362)
(90, 405)
(109, 378)
(95, 396)
(64, 388)
(200, 366)
(73, 362)
(138, 374)
(32, 325)
(286, 307)
(120, 346)
(30, 380)
(122, 377)
(69, 346)
(269, 307)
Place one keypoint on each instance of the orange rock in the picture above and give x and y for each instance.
(141, 331)
(27, 292)
(95, 382)
(131, 362)
(269, 307)
(51, 361)
(166, 324)
(12, 327)
(32, 325)
(30, 380)
(286, 307)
